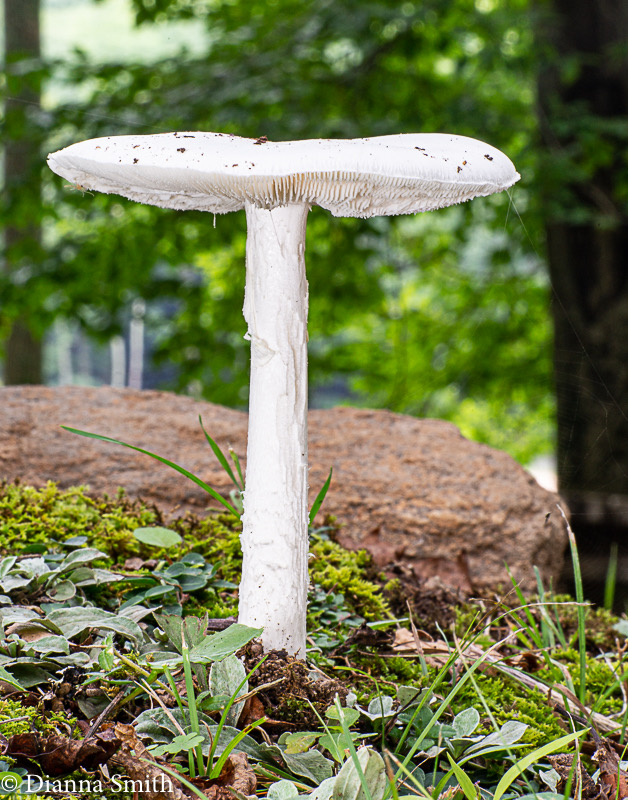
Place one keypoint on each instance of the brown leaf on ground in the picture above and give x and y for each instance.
(137, 763)
(236, 774)
(136, 563)
(579, 777)
(155, 783)
(57, 755)
(527, 662)
(252, 710)
(28, 632)
(613, 780)
(130, 740)
(434, 652)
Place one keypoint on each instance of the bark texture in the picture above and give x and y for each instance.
(22, 168)
(584, 122)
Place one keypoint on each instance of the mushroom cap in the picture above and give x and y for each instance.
(217, 172)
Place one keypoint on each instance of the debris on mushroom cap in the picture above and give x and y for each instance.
(384, 175)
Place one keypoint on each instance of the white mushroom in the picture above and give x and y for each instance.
(276, 183)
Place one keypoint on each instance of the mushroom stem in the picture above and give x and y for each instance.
(273, 590)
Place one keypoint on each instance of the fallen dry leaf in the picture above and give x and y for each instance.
(580, 779)
(613, 780)
(236, 774)
(252, 711)
(156, 784)
(139, 765)
(28, 632)
(56, 755)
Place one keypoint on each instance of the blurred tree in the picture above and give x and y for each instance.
(22, 183)
(463, 302)
(584, 124)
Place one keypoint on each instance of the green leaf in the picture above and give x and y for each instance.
(300, 742)
(464, 781)
(51, 644)
(212, 492)
(324, 791)
(77, 557)
(226, 678)
(221, 457)
(380, 707)
(536, 755)
(225, 643)
(282, 790)
(320, 497)
(194, 629)
(157, 537)
(349, 782)
(29, 674)
(62, 591)
(178, 745)
(509, 733)
(311, 765)
(347, 715)
(157, 725)
(74, 621)
(8, 678)
(94, 576)
(466, 722)
(92, 706)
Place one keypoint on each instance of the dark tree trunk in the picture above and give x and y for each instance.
(22, 169)
(584, 122)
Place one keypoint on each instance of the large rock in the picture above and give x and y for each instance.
(408, 489)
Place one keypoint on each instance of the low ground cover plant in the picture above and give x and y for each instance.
(120, 655)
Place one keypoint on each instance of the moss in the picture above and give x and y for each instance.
(603, 683)
(507, 700)
(30, 516)
(346, 571)
(217, 538)
(598, 623)
(17, 718)
(374, 674)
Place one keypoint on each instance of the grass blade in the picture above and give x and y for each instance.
(212, 492)
(320, 497)
(220, 456)
(581, 610)
(536, 755)
(191, 698)
(610, 583)
(464, 781)
(236, 460)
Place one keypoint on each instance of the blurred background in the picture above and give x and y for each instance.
(507, 316)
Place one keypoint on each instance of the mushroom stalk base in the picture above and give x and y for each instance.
(273, 591)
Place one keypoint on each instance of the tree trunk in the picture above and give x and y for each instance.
(22, 170)
(584, 122)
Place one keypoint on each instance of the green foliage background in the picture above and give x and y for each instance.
(444, 314)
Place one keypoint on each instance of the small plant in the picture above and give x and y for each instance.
(281, 609)
(53, 577)
(168, 583)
